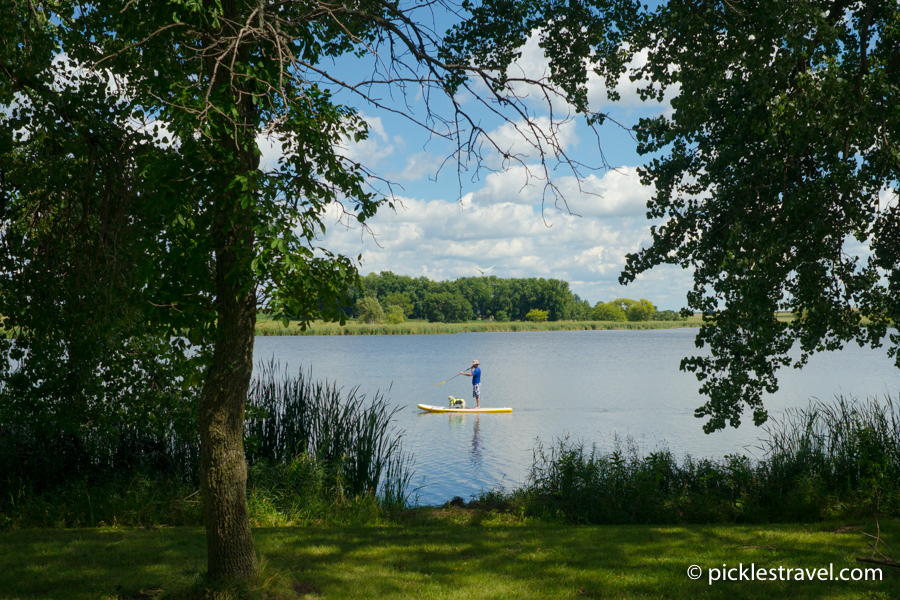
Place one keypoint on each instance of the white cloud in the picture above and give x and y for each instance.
(532, 64)
(627, 89)
(887, 197)
(617, 193)
(270, 146)
(419, 166)
(446, 239)
(527, 140)
(372, 150)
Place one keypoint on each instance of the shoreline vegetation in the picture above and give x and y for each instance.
(318, 455)
(330, 498)
(266, 326)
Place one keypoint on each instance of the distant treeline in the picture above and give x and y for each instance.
(402, 297)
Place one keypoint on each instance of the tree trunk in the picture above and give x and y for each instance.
(223, 466)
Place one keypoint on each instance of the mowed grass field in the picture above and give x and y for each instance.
(454, 554)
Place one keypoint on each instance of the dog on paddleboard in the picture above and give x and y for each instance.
(456, 402)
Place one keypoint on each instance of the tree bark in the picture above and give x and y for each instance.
(223, 466)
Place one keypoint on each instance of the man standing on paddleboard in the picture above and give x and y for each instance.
(476, 381)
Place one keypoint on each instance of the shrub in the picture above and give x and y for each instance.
(447, 307)
(642, 310)
(667, 315)
(537, 315)
(370, 310)
(394, 315)
(607, 312)
(346, 451)
(501, 316)
(401, 300)
(828, 460)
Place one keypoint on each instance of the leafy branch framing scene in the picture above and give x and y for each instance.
(170, 170)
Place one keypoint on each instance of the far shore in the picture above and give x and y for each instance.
(272, 327)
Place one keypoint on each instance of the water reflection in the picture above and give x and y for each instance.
(457, 422)
(476, 442)
(602, 383)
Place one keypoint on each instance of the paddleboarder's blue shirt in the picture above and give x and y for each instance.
(476, 375)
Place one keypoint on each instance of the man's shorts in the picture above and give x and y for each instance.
(476, 390)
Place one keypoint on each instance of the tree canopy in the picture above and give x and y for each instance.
(486, 296)
(130, 136)
(493, 296)
(776, 180)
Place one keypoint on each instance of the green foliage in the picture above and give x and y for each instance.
(642, 310)
(578, 309)
(774, 166)
(86, 359)
(486, 295)
(504, 299)
(302, 491)
(446, 307)
(570, 33)
(140, 475)
(369, 310)
(667, 315)
(607, 311)
(135, 500)
(107, 419)
(401, 300)
(622, 309)
(425, 328)
(85, 145)
(839, 459)
(394, 315)
(537, 315)
(623, 304)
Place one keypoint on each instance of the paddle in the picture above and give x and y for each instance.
(451, 379)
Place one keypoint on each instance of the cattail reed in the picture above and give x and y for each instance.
(292, 415)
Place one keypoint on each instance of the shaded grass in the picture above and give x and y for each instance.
(299, 493)
(450, 554)
(271, 327)
(135, 502)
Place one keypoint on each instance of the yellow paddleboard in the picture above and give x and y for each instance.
(444, 409)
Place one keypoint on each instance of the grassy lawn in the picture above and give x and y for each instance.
(451, 555)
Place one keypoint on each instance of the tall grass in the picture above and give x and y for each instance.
(849, 449)
(265, 328)
(293, 415)
(41, 456)
(314, 452)
(826, 460)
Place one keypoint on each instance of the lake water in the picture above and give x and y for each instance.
(590, 385)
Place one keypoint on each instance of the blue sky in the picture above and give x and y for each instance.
(446, 226)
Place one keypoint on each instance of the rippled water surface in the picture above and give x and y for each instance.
(587, 384)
